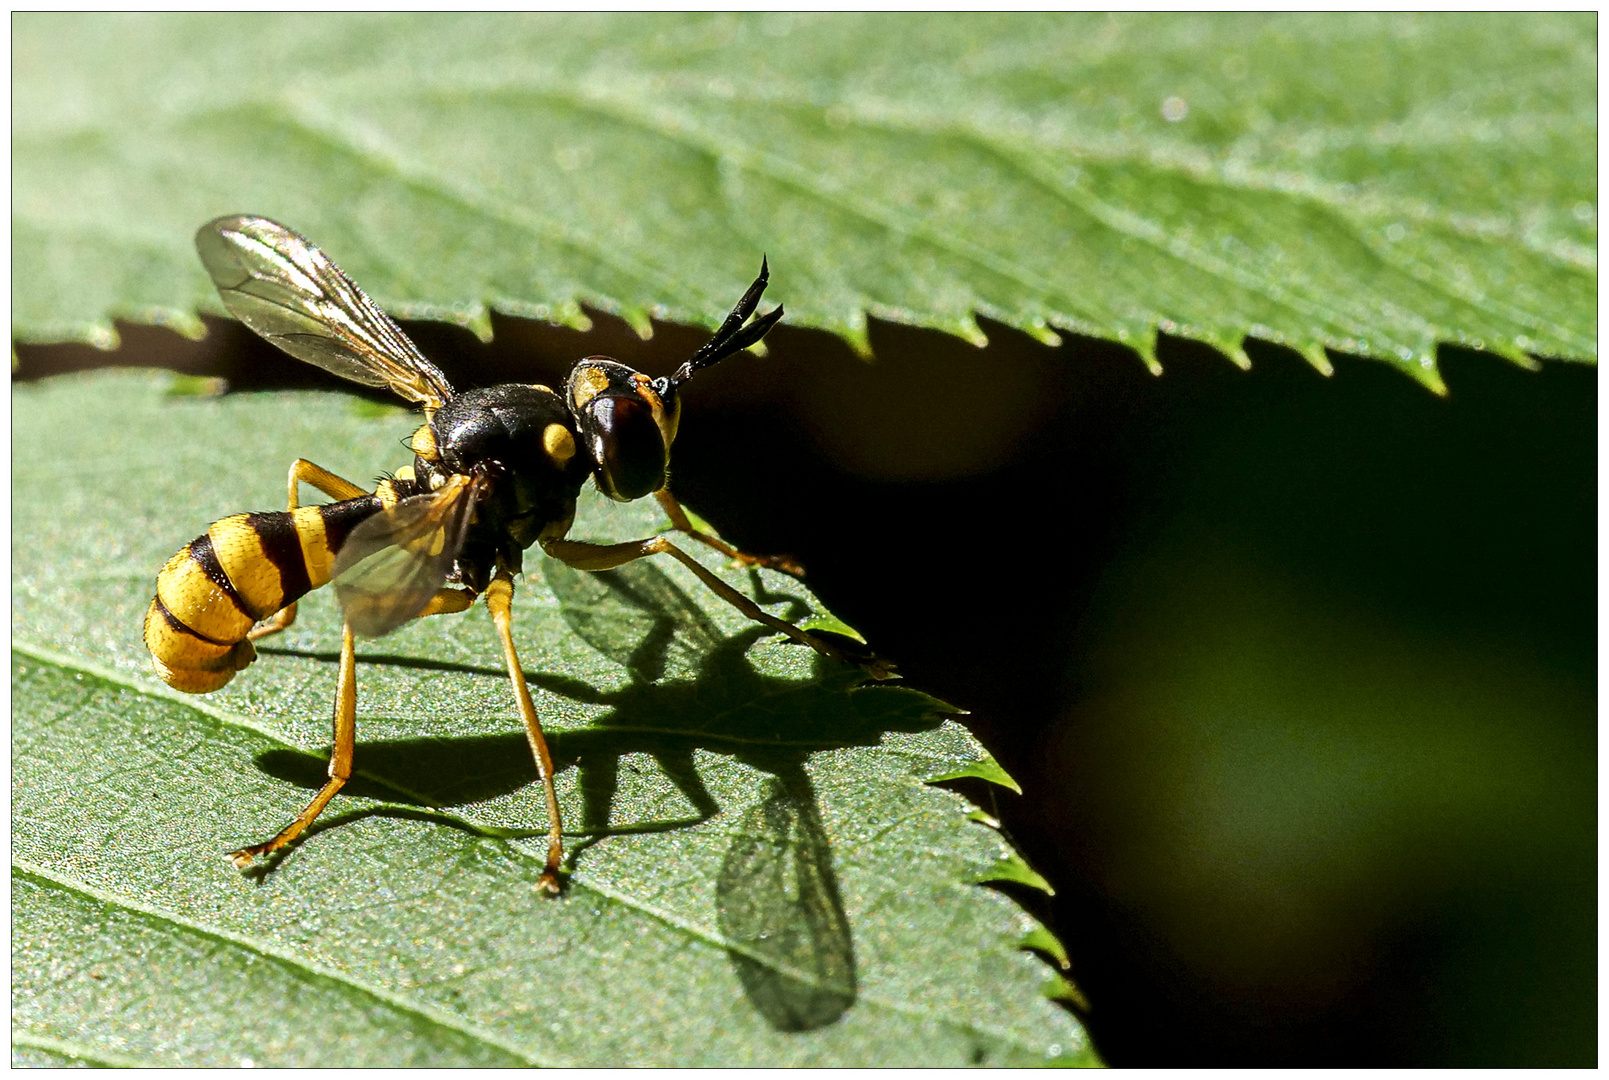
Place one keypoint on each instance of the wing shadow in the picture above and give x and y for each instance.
(778, 903)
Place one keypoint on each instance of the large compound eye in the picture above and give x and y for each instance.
(627, 446)
(623, 419)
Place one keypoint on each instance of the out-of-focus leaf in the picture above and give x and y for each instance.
(1371, 183)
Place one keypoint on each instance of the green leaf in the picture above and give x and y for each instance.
(987, 768)
(1057, 988)
(831, 622)
(1011, 869)
(1369, 183)
(760, 875)
(1042, 940)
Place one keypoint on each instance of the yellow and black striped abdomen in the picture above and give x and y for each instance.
(239, 572)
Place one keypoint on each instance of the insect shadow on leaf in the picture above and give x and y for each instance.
(778, 907)
(692, 688)
(778, 903)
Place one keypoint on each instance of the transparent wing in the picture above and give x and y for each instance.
(276, 282)
(393, 563)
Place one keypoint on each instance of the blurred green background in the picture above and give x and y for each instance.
(1298, 674)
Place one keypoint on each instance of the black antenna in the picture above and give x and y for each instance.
(733, 336)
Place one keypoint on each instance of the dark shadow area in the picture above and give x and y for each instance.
(293, 766)
(965, 509)
(429, 773)
(418, 663)
(778, 899)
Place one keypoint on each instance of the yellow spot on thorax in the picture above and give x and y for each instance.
(559, 443)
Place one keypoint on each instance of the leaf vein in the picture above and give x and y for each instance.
(288, 959)
(78, 1050)
(711, 937)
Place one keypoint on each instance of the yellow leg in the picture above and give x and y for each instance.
(448, 601)
(500, 602)
(678, 517)
(304, 472)
(346, 712)
(584, 556)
